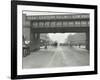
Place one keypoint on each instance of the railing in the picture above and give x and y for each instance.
(61, 24)
(78, 20)
(58, 17)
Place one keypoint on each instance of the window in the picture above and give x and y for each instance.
(84, 23)
(53, 24)
(47, 24)
(70, 23)
(59, 24)
(65, 23)
(41, 24)
(77, 23)
(35, 24)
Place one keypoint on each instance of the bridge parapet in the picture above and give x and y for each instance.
(45, 21)
(58, 17)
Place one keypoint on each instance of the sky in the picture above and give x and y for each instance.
(59, 37)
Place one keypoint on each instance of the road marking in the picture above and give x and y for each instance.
(52, 59)
(61, 54)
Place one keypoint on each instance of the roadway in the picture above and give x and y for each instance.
(61, 56)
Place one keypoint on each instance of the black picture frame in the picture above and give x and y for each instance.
(14, 29)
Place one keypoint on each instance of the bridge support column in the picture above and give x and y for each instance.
(35, 41)
(87, 41)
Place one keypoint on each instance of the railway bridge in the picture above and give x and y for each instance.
(33, 26)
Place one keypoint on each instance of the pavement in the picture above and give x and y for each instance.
(61, 56)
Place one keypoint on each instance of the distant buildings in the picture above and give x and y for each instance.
(44, 36)
(78, 39)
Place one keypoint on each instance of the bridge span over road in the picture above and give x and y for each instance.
(33, 26)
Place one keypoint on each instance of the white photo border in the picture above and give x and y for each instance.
(21, 71)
